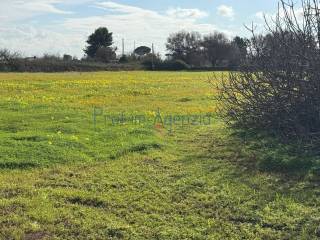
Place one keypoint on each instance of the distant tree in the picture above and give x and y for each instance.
(242, 44)
(217, 48)
(238, 52)
(67, 57)
(173, 65)
(5, 55)
(51, 57)
(142, 50)
(123, 59)
(132, 57)
(9, 61)
(105, 54)
(184, 46)
(100, 38)
(151, 61)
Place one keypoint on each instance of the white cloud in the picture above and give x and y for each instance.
(14, 10)
(31, 41)
(298, 12)
(69, 34)
(226, 11)
(120, 8)
(262, 19)
(140, 25)
(260, 15)
(40, 6)
(186, 13)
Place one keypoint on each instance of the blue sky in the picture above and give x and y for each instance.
(34, 27)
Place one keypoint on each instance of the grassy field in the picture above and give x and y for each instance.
(61, 177)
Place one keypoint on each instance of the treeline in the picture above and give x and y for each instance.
(213, 50)
(185, 51)
(14, 62)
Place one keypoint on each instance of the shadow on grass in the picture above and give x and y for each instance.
(273, 155)
(138, 148)
(18, 165)
(254, 181)
(253, 152)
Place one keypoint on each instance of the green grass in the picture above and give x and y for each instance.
(60, 178)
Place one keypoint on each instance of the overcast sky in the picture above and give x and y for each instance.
(34, 27)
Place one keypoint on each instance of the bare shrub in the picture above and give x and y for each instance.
(278, 86)
(8, 60)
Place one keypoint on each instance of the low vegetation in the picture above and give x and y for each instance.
(121, 155)
(57, 64)
(61, 178)
(277, 88)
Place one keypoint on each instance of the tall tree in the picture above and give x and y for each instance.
(217, 47)
(142, 50)
(184, 45)
(100, 38)
(105, 54)
(242, 45)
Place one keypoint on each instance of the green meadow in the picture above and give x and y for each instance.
(69, 172)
